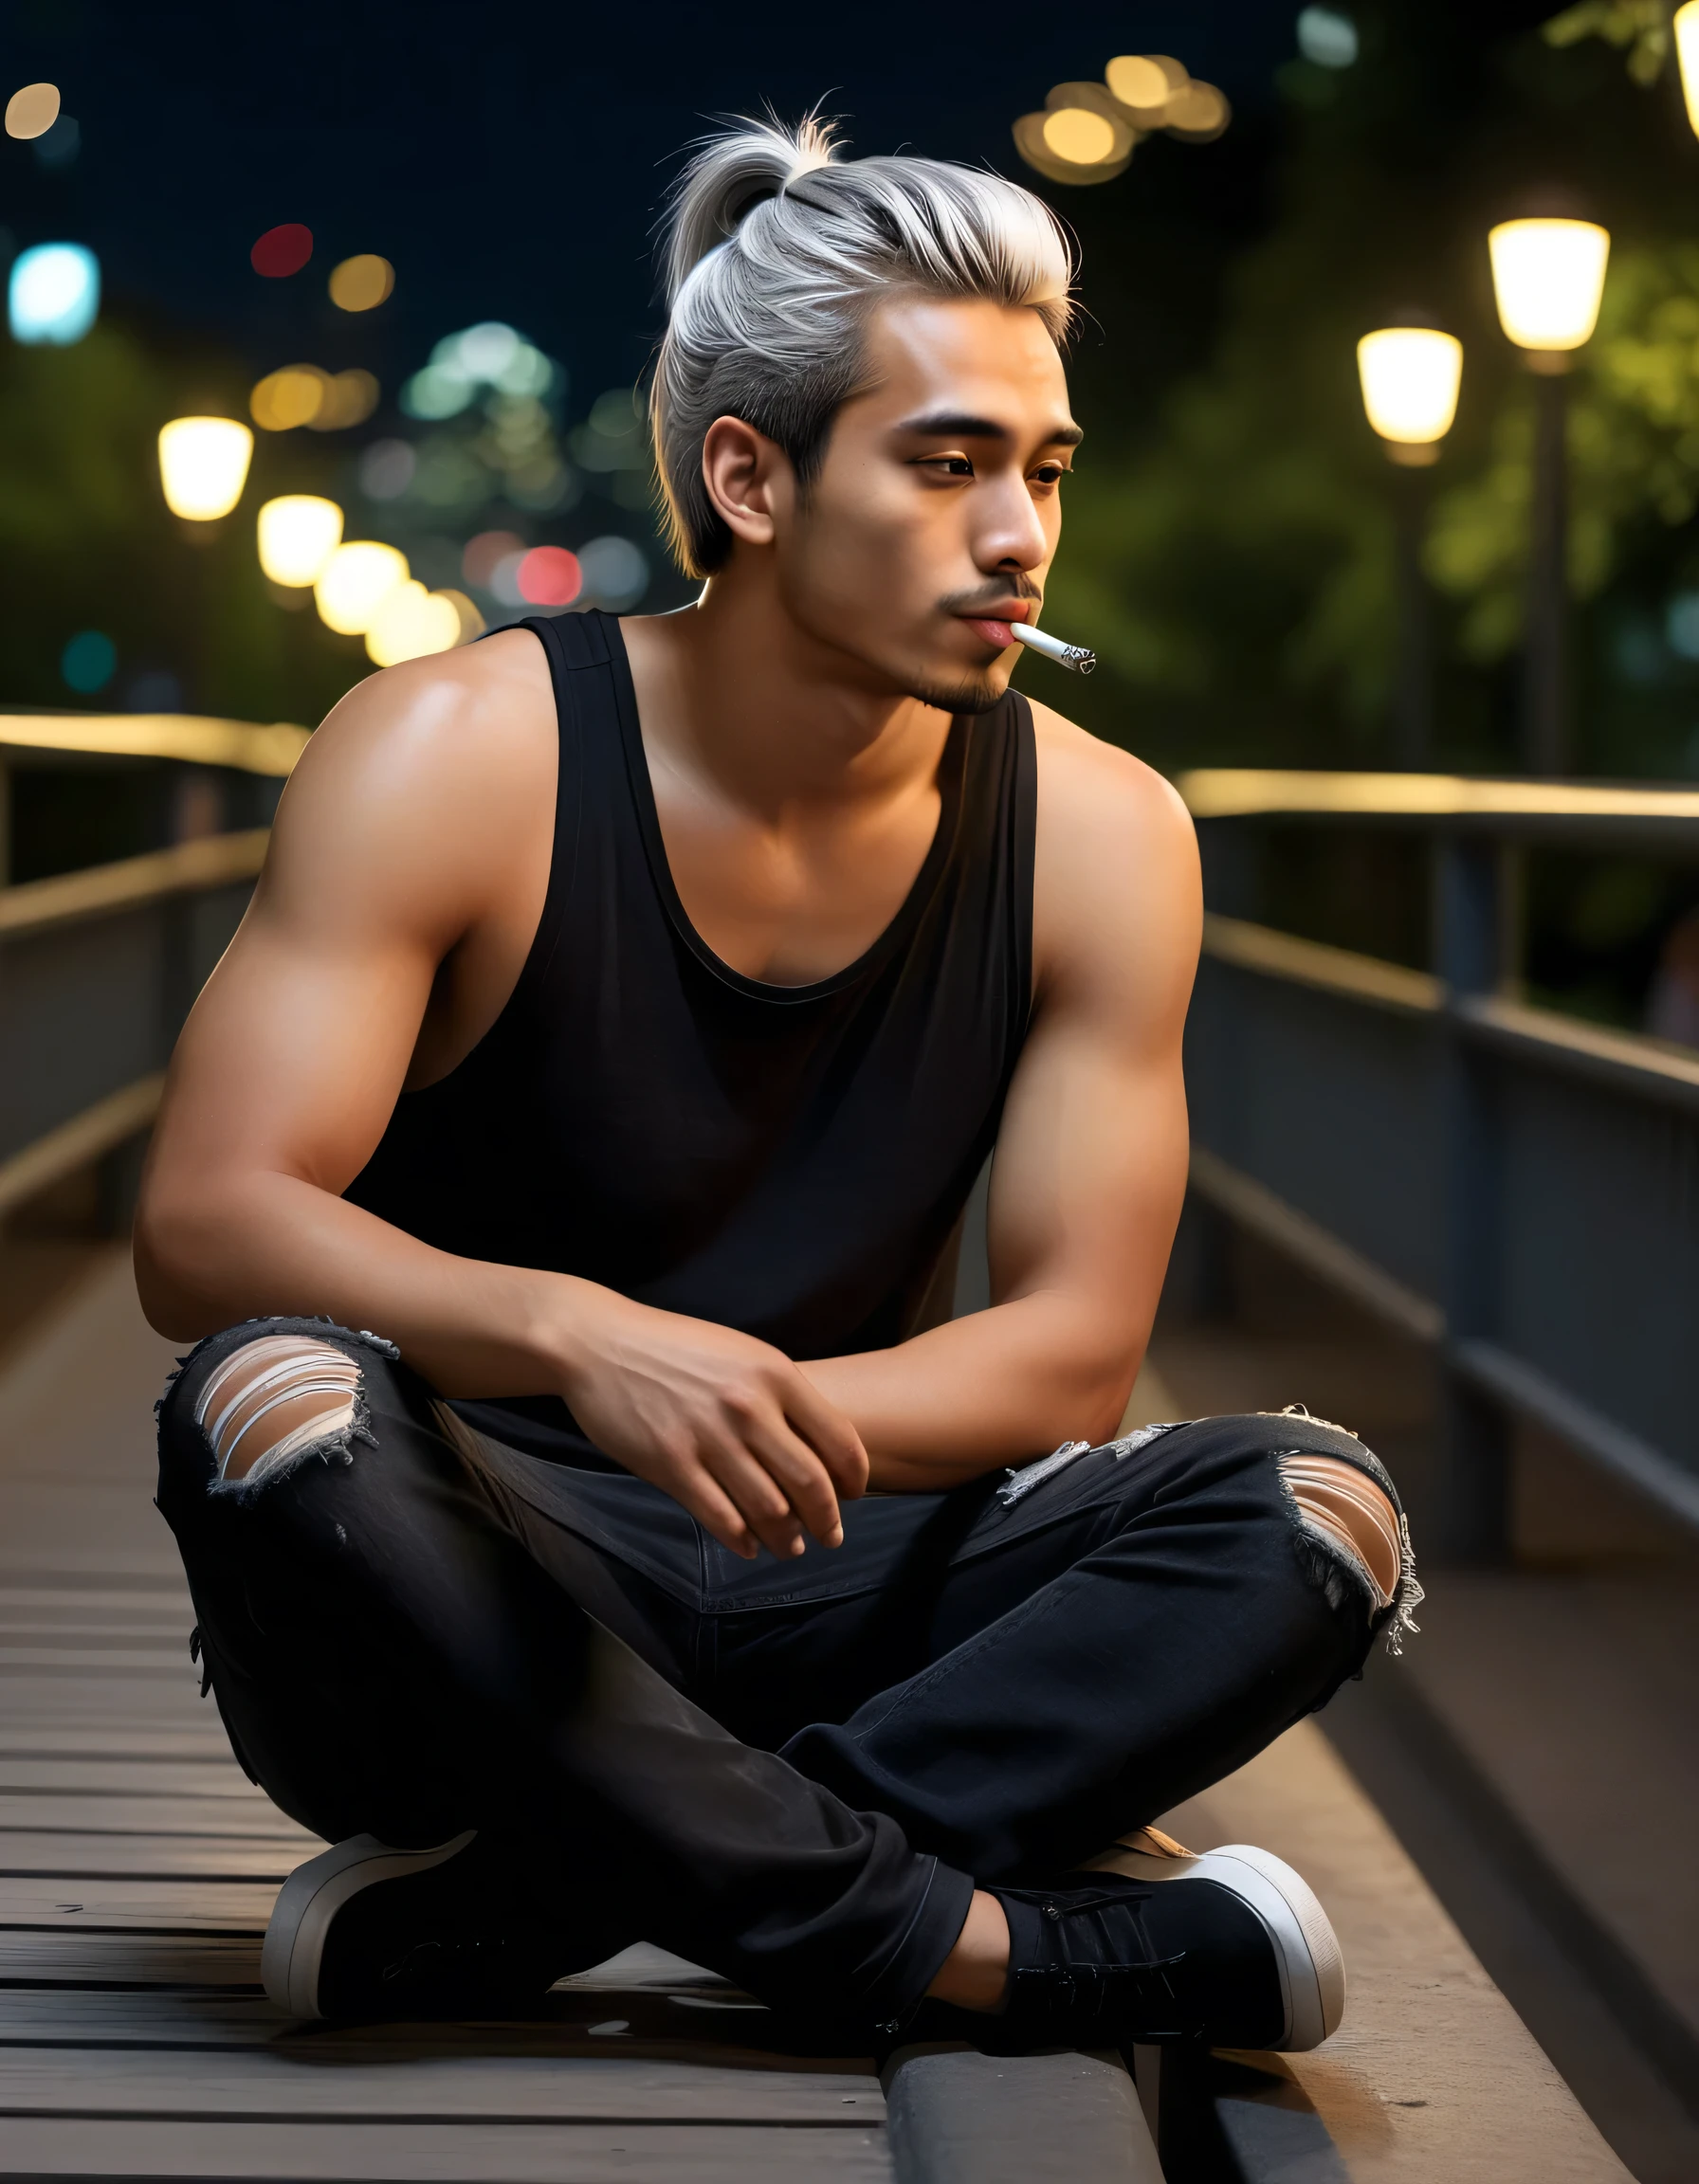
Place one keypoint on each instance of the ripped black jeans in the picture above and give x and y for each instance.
(791, 1772)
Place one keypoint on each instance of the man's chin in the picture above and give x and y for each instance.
(966, 693)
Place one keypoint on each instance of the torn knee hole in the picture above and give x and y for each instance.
(1345, 1510)
(276, 1401)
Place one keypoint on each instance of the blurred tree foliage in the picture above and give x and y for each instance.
(1231, 551)
(87, 541)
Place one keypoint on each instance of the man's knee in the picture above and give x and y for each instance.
(256, 1403)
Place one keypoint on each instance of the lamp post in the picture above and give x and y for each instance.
(1547, 279)
(1410, 376)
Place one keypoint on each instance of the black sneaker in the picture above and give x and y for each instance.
(1230, 1948)
(368, 1931)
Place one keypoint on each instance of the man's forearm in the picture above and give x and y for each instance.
(268, 1245)
(995, 1388)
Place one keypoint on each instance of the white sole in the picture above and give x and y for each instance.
(1307, 1950)
(310, 1899)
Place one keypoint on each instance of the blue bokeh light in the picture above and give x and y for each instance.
(90, 662)
(54, 293)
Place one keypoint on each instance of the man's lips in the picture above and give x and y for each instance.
(994, 627)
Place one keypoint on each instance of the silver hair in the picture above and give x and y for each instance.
(774, 252)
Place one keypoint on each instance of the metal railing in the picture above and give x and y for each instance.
(1516, 1187)
(99, 967)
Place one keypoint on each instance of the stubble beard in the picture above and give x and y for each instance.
(971, 694)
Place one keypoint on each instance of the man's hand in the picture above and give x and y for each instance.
(727, 1425)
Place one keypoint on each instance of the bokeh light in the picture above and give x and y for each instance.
(361, 283)
(485, 553)
(549, 577)
(32, 111)
(482, 351)
(471, 622)
(350, 398)
(1410, 378)
(298, 533)
(1143, 83)
(504, 578)
(616, 573)
(386, 469)
(53, 293)
(1327, 37)
(203, 465)
(90, 662)
(281, 250)
(355, 582)
(1685, 27)
(1548, 278)
(1075, 133)
(1198, 113)
(290, 396)
(439, 391)
(410, 623)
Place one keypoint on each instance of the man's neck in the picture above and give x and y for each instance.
(734, 690)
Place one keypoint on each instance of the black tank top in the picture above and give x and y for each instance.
(791, 1160)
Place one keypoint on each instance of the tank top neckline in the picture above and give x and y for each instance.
(884, 944)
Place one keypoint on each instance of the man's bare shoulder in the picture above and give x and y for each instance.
(429, 781)
(1095, 790)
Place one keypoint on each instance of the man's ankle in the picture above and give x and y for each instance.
(975, 1976)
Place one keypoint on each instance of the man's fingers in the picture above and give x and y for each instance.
(763, 1506)
(828, 1432)
(799, 1473)
(715, 1511)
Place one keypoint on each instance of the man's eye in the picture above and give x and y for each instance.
(953, 465)
(1050, 473)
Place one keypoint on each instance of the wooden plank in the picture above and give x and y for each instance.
(69, 1957)
(153, 1857)
(153, 1906)
(685, 2153)
(75, 1774)
(38, 1743)
(308, 2078)
(253, 1817)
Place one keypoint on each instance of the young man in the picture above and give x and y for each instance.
(622, 1018)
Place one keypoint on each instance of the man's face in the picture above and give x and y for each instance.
(934, 519)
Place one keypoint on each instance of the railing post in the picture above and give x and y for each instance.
(1474, 1506)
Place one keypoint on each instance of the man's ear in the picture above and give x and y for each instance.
(749, 479)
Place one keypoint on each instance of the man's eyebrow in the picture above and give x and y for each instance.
(961, 425)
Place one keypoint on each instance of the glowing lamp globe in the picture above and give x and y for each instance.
(354, 584)
(1547, 279)
(53, 293)
(1410, 378)
(1686, 55)
(203, 465)
(298, 533)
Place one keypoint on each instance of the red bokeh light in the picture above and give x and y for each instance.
(550, 576)
(281, 250)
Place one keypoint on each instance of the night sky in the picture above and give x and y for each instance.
(509, 160)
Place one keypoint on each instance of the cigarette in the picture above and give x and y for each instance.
(1073, 656)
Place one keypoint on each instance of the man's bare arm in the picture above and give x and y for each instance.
(1091, 1161)
(395, 848)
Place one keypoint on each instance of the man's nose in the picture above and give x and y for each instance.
(1009, 534)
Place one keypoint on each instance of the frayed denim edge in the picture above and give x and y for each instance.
(1337, 1574)
(269, 1471)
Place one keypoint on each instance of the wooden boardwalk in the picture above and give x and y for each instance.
(137, 1867)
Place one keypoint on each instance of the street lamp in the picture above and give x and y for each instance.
(1686, 56)
(298, 533)
(1547, 279)
(1410, 378)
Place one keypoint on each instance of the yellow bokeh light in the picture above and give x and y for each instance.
(410, 623)
(32, 111)
(203, 465)
(1139, 80)
(350, 398)
(298, 533)
(361, 283)
(471, 622)
(1686, 55)
(1548, 278)
(1197, 110)
(1075, 133)
(286, 398)
(355, 583)
(1410, 379)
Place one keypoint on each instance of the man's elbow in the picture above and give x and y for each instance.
(171, 1248)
